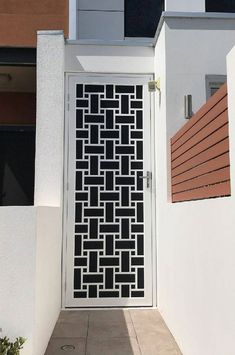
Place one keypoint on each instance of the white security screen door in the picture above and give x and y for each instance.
(108, 255)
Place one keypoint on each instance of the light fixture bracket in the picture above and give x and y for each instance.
(154, 85)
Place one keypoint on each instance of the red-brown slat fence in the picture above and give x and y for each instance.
(200, 166)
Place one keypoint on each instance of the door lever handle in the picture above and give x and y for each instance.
(148, 178)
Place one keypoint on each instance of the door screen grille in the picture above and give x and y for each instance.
(109, 211)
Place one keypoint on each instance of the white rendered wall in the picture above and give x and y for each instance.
(48, 275)
(103, 20)
(194, 48)
(31, 237)
(49, 183)
(30, 274)
(231, 100)
(196, 244)
(17, 273)
(109, 59)
(50, 118)
(185, 5)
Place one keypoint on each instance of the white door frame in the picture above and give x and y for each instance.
(147, 77)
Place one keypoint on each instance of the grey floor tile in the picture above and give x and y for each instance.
(55, 344)
(152, 333)
(158, 345)
(107, 330)
(148, 322)
(114, 346)
(70, 330)
(145, 315)
(73, 316)
(110, 316)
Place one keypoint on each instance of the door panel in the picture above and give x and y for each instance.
(109, 203)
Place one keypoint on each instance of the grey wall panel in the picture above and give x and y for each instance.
(101, 25)
(101, 5)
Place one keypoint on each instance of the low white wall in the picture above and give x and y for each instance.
(30, 274)
(48, 275)
(196, 268)
(196, 244)
(31, 237)
(17, 273)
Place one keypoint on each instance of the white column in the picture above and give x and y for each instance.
(73, 19)
(231, 112)
(50, 118)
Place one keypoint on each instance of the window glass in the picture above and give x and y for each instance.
(220, 5)
(142, 17)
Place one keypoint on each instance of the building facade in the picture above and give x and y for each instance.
(92, 223)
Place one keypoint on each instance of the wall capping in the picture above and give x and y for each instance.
(50, 32)
(190, 16)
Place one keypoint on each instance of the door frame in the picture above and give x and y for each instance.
(148, 77)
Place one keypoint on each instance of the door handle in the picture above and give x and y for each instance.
(148, 178)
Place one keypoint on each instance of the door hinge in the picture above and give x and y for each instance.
(68, 102)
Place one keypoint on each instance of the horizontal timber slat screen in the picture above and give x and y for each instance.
(200, 166)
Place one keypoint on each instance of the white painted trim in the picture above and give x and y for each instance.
(153, 205)
(65, 194)
(50, 32)
(202, 15)
(135, 42)
(73, 19)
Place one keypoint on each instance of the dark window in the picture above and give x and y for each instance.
(17, 155)
(17, 56)
(142, 17)
(220, 5)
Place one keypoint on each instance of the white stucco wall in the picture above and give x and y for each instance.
(98, 58)
(50, 118)
(49, 183)
(48, 275)
(196, 244)
(31, 237)
(30, 274)
(194, 48)
(231, 100)
(17, 273)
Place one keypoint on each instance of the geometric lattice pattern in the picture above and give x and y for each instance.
(109, 213)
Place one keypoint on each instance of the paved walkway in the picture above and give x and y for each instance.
(112, 332)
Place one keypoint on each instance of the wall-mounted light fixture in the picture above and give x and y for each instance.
(154, 85)
(188, 106)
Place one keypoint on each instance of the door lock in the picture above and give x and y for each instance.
(148, 178)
